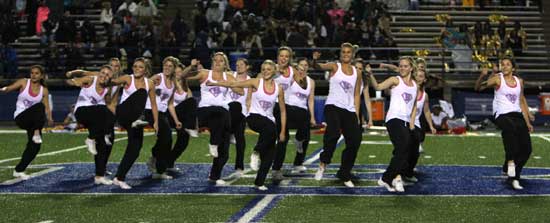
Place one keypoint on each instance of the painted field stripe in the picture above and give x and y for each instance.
(37, 174)
(544, 137)
(64, 150)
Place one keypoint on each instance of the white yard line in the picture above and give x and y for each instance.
(257, 209)
(64, 150)
(544, 137)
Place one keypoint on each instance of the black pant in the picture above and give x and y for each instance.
(218, 120)
(96, 118)
(102, 161)
(31, 119)
(400, 136)
(163, 145)
(265, 145)
(238, 124)
(516, 140)
(187, 115)
(296, 118)
(339, 119)
(417, 137)
(126, 113)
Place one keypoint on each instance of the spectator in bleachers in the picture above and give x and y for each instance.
(88, 34)
(180, 29)
(51, 56)
(8, 61)
(252, 45)
(128, 5)
(9, 30)
(477, 35)
(31, 9)
(462, 55)
(518, 39)
(214, 15)
(41, 16)
(67, 29)
(106, 17)
(145, 12)
(49, 28)
(336, 15)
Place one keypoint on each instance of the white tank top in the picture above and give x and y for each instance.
(162, 93)
(234, 97)
(130, 89)
(179, 98)
(26, 99)
(213, 95)
(88, 96)
(419, 108)
(285, 81)
(342, 89)
(263, 102)
(506, 97)
(402, 101)
(297, 96)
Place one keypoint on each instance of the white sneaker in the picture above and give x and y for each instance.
(37, 139)
(220, 182)
(420, 149)
(102, 180)
(192, 132)
(397, 183)
(299, 145)
(232, 139)
(511, 169)
(152, 164)
(91, 146)
(108, 173)
(262, 188)
(300, 168)
(173, 169)
(387, 186)
(277, 175)
(161, 176)
(213, 150)
(516, 185)
(121, 184)
(21, 175)
(108, 140)
(349, 184)
(319, 173)
(255, 161)
(412, 179)
(139, 123)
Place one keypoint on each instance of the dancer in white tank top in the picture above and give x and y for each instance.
(360, 66)
(399, 121)
(31, 106)
(137, 88)
(341, 112)
(213, 111)
(512, 117)
(265, 91)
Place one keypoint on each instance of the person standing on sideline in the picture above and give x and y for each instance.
(341, 113)
(264, 96)
(512, 117)
(31, 112)
(399, 121)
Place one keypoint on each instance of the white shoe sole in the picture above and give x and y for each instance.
(319, 174)
(387, 186)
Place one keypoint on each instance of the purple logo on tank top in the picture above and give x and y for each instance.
(346, 86)
(27, 103)
(164, 97)
(234, 96)
(284, 86)
(93, 101)
(407, 97)
(81, 98)
(301, 96)
(215, 91)
(266, 104)
(512, 98)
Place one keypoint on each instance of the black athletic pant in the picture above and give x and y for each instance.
(187, 115)
(126, 113)
(96, 119)
(417, 137)
(30, 120)
(516, 140)
(265, 145)
(218, 120)
(339, 119)
(238, 124)
(111, 120)
(401, 138)
(296, 118)
(163, 144)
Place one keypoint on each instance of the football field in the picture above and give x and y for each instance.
(460, 180)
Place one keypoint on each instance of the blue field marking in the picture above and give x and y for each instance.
(434, 180)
